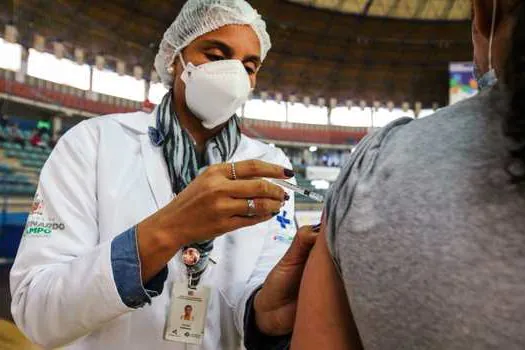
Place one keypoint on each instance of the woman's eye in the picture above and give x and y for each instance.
(249, 70)
(213, 57)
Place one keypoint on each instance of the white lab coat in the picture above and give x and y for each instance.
(103, 177)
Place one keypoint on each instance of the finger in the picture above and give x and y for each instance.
(256, 189)
(302, 244)
(263, 207)
(249, 169)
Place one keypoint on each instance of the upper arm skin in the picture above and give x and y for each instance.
(324, 319)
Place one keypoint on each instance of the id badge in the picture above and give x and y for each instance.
(187, 317)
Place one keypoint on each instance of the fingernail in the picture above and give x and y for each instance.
(286, 197)
(316, 228)
(289, 173)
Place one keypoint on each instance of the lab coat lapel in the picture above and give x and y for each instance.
(248, 149)
(156, 171)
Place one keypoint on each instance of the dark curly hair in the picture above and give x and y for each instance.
(514, 123)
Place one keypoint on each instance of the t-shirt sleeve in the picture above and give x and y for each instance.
(360, 166)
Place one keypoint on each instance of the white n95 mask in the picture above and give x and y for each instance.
(215, 90)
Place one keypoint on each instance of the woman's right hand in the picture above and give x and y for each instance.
(211, 205)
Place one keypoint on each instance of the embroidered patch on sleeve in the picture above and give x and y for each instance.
(40, 225)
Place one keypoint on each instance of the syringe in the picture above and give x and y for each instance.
(302, 191)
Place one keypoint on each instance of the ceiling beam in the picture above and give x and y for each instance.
(421, 6)
(367, 7)
(447, 9)
(393, 7)
(339, 6)
(316, 52)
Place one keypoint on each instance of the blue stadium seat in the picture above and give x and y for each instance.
(41, 150)
(27, 190)
(30, 163)
(8, 189)
(5, 169)
(8, 145)
(20, 179)
(19, 189)
(15, 153)
(9, 179)
(32, 149)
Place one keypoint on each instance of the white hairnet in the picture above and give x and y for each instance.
(198, 17)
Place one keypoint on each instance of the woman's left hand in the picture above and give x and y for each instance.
(276, 303)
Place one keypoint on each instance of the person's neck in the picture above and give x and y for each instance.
(193, 125)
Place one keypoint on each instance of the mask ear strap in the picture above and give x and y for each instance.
(492, 30)
(182, 61)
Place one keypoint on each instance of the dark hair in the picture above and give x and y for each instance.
(515, 81)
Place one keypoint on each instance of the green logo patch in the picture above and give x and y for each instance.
(38, 231)
(42, 228)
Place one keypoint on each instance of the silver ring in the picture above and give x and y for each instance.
(234, 174)
(251, 207)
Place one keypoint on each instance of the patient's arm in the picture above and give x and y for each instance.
(324, 319)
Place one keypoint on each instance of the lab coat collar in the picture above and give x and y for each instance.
(156, 169)
(139, 122)
(136, 121)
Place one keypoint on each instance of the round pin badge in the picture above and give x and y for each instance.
(190, 256)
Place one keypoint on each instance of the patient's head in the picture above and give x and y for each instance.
(502, 22)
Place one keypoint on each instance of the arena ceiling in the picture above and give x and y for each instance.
(449, 10)
(372, 50)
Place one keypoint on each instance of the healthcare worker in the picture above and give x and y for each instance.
(139, 216)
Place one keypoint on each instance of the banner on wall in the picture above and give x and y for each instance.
(462, 82)
(305, 218)
(322, 173)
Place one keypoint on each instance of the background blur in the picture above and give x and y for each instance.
(338, 69)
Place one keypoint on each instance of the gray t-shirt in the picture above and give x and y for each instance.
(429, 233)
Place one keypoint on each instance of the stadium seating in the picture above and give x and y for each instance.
(22, 154)
(308, 134)
(4, 169)
(43, 91)
(18, 176)
(15, 184)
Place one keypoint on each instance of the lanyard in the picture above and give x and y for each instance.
(196, 259)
